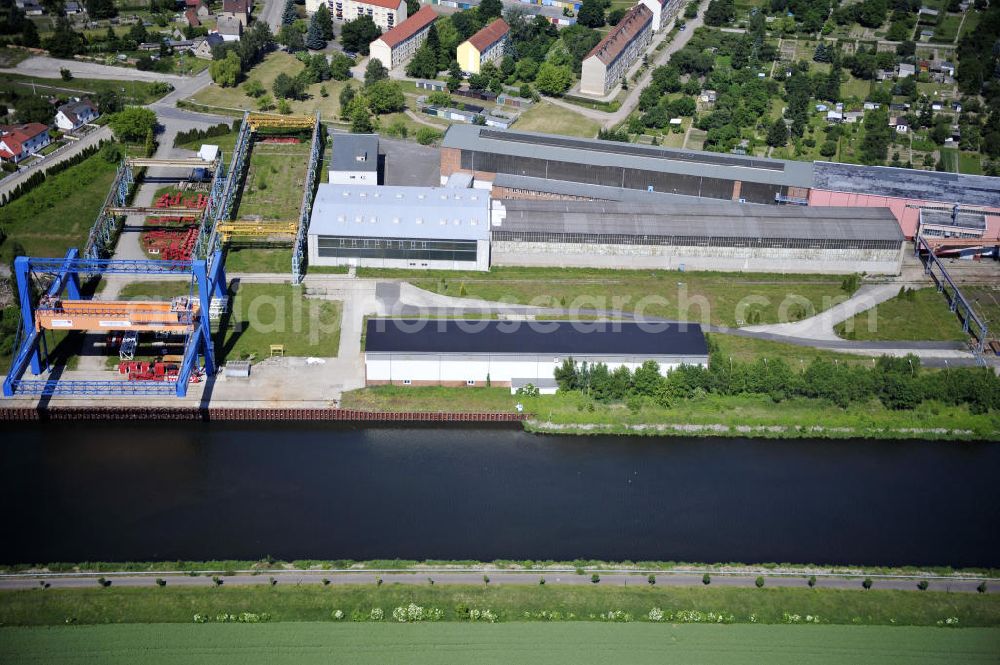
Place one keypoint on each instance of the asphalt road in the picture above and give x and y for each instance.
(564, 577)
(43, 66)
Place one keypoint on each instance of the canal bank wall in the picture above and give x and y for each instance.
(222, 414)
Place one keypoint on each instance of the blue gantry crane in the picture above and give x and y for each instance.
(62, 307)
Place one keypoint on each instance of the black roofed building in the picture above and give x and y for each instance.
(464, 352)
(697, 236)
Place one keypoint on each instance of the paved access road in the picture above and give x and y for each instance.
(423, 577)
(44, 66)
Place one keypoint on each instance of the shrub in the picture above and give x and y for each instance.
(651, 579)
(618, 616)
(655, 614)
(922, 585)
(337, 615)
(414, 613)
(378, 581)
(273, 581)
(579, 571)
(376, 614)
(706, 579)
(867, 583)
(982, 587)
(541, 581)
(326, 582)
(486, 579)
(426, 136)
(811, 581)
(160, 582)
(218, 580)
(595, 578)
(359, 615)
(759, 582)
(105, 583)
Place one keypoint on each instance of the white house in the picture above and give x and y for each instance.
(354, 160)
(397, 46)
(75, 114)
(386, 14)
(663, 12)
(466, 352)
(18, 142)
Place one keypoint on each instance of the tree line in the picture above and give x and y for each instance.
(896, 382)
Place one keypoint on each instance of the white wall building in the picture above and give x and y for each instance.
(399, 45)
(609, 61)
(663, 12)
(354, 160)
(464, 352)
(386, 14)
(76, 114)
(400, 227)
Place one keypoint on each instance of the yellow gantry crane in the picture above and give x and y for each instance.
(270, 120)
(245, 230)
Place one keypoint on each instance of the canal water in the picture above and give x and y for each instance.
(162, 491)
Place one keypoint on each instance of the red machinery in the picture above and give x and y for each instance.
(142, 370)
(174, 244)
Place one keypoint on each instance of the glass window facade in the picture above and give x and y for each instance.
(413, 249)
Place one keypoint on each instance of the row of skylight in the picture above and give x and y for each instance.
(399, 195)
(359, 219)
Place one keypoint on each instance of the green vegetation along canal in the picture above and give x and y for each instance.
(168, 490)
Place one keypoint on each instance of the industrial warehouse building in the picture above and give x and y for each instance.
(698, 236)
(489, 152)
(463, 352)
(400, 227)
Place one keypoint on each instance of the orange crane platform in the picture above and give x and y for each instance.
(179, 315)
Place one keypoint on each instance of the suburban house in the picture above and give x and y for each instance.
(204, 48)
(73, 8)
(354, 159)
(229, 28)
(198, 6)
(386, 14)
(487, 45)
(906, 69)
(236, 9)
(192, 18)
(397, 46)
(75, 114)
(663, 12)
(609, 61)
(18, 142)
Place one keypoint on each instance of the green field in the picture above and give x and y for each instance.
(919, 315)
(506, 644)
(259, 259)
(718, 298)
(712, 415)
(268, 70)
(265, 314)
(749, 349)
(971, 163)
(546, 117)
(509, 602)
(133, 92)
(274, 182)
(59, 213)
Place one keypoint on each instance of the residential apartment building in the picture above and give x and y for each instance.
(386, 14)
(609, 61)
(487, 45)
(664, 11)
(17, 142)
(397, 46)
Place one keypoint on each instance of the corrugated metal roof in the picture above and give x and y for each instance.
(599, 192)
(559, 338)
(629, 155)
(965, 220)
(721, 220)
(354, 152)
(434, 213)
(908, 183)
